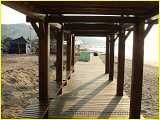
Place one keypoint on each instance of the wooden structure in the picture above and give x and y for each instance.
(17, 46)
(105, 18)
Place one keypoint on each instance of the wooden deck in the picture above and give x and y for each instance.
(89, 94)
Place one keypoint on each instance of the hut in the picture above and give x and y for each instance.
(19, 46)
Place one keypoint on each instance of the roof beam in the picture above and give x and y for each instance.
(91, 27)
(92, 19)
(89, 7)
(148, 29)
(91, 34)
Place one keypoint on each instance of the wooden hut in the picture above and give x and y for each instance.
(17, 46)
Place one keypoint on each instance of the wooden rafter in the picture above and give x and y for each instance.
(148, 29)
(96, 19)
(91, 27)
(143, 8)
(128, 33)
(35, 27)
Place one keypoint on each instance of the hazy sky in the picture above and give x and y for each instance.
(10, 16)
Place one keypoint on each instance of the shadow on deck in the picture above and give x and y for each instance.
(88, 94)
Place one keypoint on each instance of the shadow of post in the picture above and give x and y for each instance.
(107, 112)
(87, 98)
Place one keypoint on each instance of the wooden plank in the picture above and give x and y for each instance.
(35, 27)
(107, 55)
(90, 7)
(97, 19)
(137, 71)
(148, 29)
(43, 60)
(121, 63)
(111, 58)
(38, 109)
(89, 94)
(91, 34)
(73, 51)
(128, 33)
(91, 27)
(69, 54)
(59, 61)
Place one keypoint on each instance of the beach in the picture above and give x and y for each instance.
(19, 83)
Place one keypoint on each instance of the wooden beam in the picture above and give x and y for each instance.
(73, 52)
(107, 56)
(97, 19)
(94, 31)
(91, 34)
(111, 58)
(43, 60)
(128, 33)
(69, 54)
(59, 61)
(90, 7)
(121, 63)
(148, 29)
(91, 27)
(137, 71)
(35, 27)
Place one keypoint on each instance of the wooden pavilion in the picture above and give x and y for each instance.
(91, 18)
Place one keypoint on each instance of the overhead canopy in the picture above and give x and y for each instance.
(89, 15)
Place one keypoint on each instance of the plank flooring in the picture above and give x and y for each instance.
(89, 94)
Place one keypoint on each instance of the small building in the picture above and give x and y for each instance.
(19, 46)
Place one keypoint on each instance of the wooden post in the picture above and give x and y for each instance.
(121, 63)
(43, 60)
(73, 51)
(137, 71)
(59, 61)
(107, 55)
(111, 58)
(69, 55)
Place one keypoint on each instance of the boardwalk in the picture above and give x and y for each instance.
(89, 94)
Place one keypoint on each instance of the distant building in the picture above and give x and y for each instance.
(19, 46)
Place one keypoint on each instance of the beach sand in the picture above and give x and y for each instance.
(19, 83)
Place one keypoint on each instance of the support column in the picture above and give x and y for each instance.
(69, 55)
(59, 61)
(43, 60)
(73, 51)
(107, 56)
(121, 63)
(137, 71)
(111, 58)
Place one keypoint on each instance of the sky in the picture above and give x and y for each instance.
(10, 16)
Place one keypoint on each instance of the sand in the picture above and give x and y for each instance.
(149, 107)
(19, 83)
